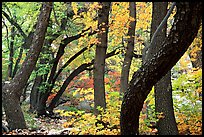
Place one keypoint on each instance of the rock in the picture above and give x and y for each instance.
(4, 128)
(53, 132)
(84, 105)
(64, 131)
(27, 100)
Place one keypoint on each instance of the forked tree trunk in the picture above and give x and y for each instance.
(13, 90)
(185, 27)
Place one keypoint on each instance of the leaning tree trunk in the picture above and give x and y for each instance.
(13, 90)
(130, 48)
(99, 64)
(163, 88)
(187, 21)
(52, 77)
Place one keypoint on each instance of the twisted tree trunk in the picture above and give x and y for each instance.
(184, 30)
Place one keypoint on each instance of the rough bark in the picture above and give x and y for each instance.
(99, 64)
(185, 27)
(163, 93)
(129, 51)
(163, 88)
(13, 90)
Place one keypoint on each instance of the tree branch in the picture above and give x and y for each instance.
(15, 24)
(77, 71)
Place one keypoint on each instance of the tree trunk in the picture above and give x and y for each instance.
(99, 64)
(163, 93)
(11, 53)
(13, 90)
(67, 63)
(129, 52)
(163, 88)
(34, 94)
(65, 84)
(187, 21)
(16, 66)
(44, 96)
(41, 78)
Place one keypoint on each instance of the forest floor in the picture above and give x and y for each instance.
(46, 126)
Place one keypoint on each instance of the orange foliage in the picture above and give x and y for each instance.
(50, 98)
(114, 77)
(85, 82)
(106, 80)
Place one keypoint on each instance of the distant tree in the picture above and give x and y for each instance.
(99, 63)
(184, 29)
(129, 51)
(12, 91)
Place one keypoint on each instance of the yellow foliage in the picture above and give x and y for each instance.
(144, 15)
(119, 22)
(85, 124)
(74, 7)
(191, 125)
(196, 45)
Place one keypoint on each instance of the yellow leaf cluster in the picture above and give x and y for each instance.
(74, 7)
(94, 6)
(144, 15)
(85, 124)
(119, 21)
(196, 45)
(189, 125)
